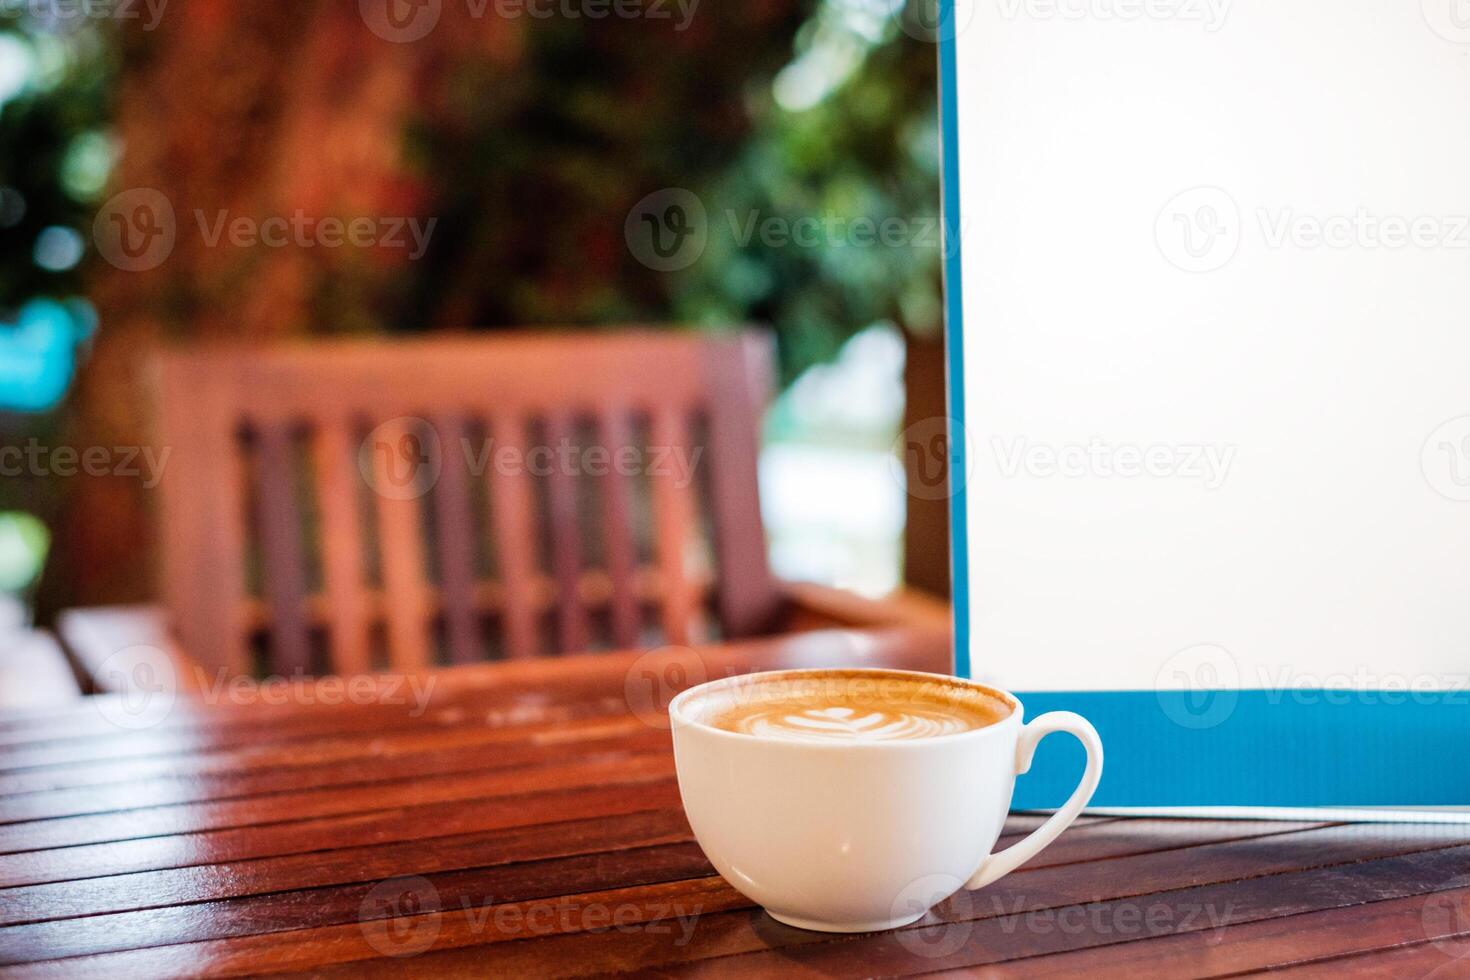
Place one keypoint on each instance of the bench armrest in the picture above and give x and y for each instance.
(107, 643)
(34, 673)
(810, 606)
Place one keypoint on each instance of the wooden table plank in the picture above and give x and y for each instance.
(1005, 931)
(1425, 961)
(304, 836)
(1420, 961)
(1008, 920)
(375, 769)
(522, 819)
(1260, 945)
(212, 815)
(322, 754)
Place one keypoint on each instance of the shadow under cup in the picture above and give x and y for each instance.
(851, 833)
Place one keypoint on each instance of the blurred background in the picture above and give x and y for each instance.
(522, 165)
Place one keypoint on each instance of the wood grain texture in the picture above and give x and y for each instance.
(283, 563)
(399, 455)
(380, 769)
(673, 518)
(454, 528)
(1263, 943)
(1426, 960)
(201, 492)
(302, 836)
(510, 512)
(335, 466)
(523, 820)
(566, 538)
(617, 530)
(745, 607)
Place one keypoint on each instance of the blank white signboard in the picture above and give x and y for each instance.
(1213, 315)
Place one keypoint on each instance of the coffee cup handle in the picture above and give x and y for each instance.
(1003, 863)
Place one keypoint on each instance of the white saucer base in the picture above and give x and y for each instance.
(815, 926)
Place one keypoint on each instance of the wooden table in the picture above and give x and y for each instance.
(526, 822)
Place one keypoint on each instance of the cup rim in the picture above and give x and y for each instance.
(678, 720)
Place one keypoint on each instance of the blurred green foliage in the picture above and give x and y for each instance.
(23, 544)
(533, 174)
(55, 155)
(805, 128)
(54, 152)
(847, 188)
(825, 114)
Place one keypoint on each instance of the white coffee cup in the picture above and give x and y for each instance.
(852, 836)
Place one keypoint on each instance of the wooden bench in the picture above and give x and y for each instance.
(351, 506)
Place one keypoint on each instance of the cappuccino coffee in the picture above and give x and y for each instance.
(850, 800)
(852, 706)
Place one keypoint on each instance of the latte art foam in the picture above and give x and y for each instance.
(852, 706)
(844, 723)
